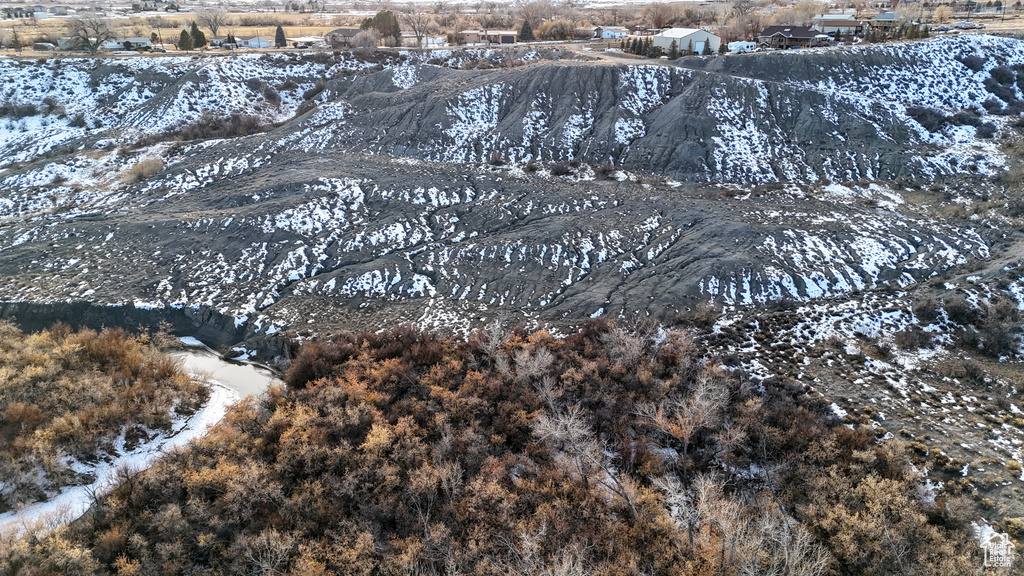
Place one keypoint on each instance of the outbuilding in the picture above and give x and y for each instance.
(700, 41)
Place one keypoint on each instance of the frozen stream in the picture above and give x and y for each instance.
(230, 381)
(242, 378)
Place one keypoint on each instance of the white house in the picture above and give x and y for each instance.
(683, 38)
(128, 44)
(254, 42)
(427, 41)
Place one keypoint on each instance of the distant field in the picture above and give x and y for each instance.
(167, 26)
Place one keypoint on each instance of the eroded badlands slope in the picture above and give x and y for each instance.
(443, 188)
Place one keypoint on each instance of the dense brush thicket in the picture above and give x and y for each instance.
(601, 453)
(65, 393)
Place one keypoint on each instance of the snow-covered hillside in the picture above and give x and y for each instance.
(417, 183)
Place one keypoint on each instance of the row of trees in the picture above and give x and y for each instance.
(645, 47)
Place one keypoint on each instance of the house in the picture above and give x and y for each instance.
(842, 16)
(128, 44)
(308, 41)
(427, 41)
(488, 36)
(254, 42)
(884, 20)
(611, 32)
(223, 43)
(341, 37)
(842, 27)
(843, 24)
(641, 30)
(781, 37)
(700, 40)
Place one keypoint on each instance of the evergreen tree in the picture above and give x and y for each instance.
(198, 38)
(185, 41)
(722, 48)
(279, 39)
(526, 32)
(386, 24)
(925, 32)
(153, 38)
(673, 50)
(16, 41)
(689, 48)
(707, 48)
(230, 39)
(634, 46)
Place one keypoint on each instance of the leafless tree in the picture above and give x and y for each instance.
(527, 557)
(659, 14)
(741, 8)
(681, 417)
(213, 19)
(569, 431)
(420, 24)
(268, 552)
(366, 39)
(136, 27)
(89, 32)
(775, 546)
(531, 365)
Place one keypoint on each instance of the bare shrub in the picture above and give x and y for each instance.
(705, 315)
(912, 338)
(143, 169)
(623, 348)
(315, 91)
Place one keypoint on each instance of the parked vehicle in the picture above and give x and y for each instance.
(742, 47)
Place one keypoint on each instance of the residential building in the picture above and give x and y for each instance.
(254, 42)
(611, 32)
(843, 27)
(884, 20)
(781, 37)
(488, 36)
(128, 44)
(341, 37)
